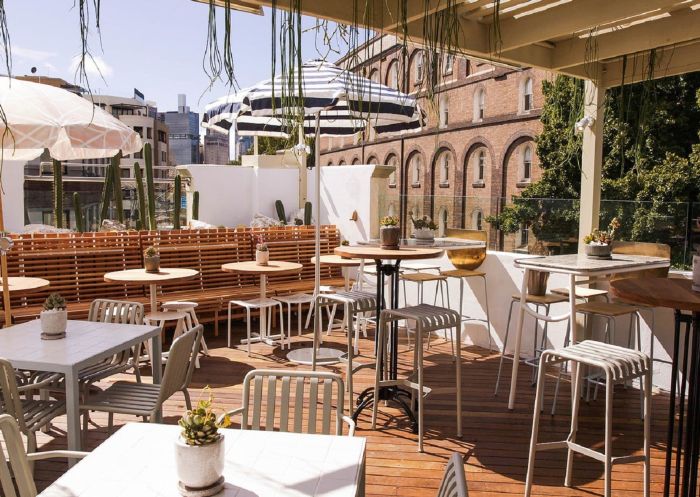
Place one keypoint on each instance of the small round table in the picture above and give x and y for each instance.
(25, 284)
(342, 262)
(379, 255)
(273, 268)
(678, 295)
(141, 277)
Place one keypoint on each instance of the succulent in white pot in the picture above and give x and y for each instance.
(262, 254)
(424, 228)
(200, 450)
(54, 317)
(598, 244)
(151, 260)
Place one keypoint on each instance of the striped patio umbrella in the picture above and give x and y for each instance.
(333, 102)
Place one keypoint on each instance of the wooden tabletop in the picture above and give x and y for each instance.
(377, 253)
(674, 293)
(25, 284)
(336, 260)
(252, 267)
(141, 276)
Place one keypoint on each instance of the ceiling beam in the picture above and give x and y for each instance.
(679, 27)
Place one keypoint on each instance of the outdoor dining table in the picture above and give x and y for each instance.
(272, 268)
(676, 294)
(20, 285)
(143, 277)
(139, 460)
(573, 265)
(86, 343)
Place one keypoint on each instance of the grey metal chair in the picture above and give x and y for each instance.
(146, 399)
(312, 393)
(454, 483)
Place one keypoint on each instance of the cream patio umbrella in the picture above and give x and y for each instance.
(35, 117)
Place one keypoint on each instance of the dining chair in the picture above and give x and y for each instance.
(146, 399)
(18, 464)
(30, 414)
(454, 483)
(311, 393)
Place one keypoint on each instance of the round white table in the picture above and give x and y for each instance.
(142, 277)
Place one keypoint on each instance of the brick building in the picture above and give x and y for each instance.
(477, 150)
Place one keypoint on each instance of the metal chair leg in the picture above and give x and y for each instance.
(503, 352)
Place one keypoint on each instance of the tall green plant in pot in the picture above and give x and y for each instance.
(389, 233)
(148, 157)
(57, 194)
(141, 221)
(177, 198)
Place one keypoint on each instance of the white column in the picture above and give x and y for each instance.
(591, 161)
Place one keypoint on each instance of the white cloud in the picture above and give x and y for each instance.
(31, 54)
(94, 66)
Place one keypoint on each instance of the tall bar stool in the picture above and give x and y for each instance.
(539, 301)
(619, 364)
(263, 305)
(467, 261)
(299, 300)
(428, 318)
(355, 304)
(420, 278)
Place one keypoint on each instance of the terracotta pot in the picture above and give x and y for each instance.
(262, 257)
(53, 324)
(598, 251)
(152, 264)
(537, 283)
(199, 466)
(389, 237)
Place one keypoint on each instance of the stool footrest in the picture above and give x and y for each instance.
(587, 451)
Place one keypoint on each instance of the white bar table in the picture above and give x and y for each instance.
(86, 343)
(138, 460)
(573, 265)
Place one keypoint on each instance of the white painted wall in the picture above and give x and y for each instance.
(13, 195)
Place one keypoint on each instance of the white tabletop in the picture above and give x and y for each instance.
(138, 460)
(86, 342)
(445, 243)
(580, 264)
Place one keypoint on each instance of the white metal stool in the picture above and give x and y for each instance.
(619, 365)
(264, 305)
(464, 274)
(160, 319)
(428, 318)
(355, 304)
(298, 299)
(420, 278)
(191, 319)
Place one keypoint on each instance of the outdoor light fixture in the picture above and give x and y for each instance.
(585, 122)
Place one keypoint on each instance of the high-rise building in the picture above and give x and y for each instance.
(184, 133)
(216, 148)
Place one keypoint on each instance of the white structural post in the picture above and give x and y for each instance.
(255, 146)
(303, 185)
(592, 160)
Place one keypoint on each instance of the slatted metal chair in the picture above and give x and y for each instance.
(19, 463)
(312, 394)
(146, 399)
(454, 483)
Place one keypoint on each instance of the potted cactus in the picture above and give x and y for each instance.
(389, 233)
(151, 260)
(54, 318)
(262, 254)
(199, 450)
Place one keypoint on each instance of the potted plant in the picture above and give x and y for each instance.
(54, 318)
(537, 280)
(424, 228)
(262, 254)
(151, 260)
(389, 232)
(199, 450)
(598, 244)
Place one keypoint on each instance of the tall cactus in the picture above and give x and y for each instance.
(106, 194)
(57, 194)
(195, 206)
(148, 157)
(177, 199)
(281, 215)
(141, 222)
(79, 221)
(307, 213)
(117, 186)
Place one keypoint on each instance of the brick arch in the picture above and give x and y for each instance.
(410, 80)
(476, 142)
(430, 180)
(355, 160)
(514, 141)
(372, 157)
(388, 155)
(387, 77)
(412, 152)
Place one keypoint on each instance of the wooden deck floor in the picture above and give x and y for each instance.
(495, 441)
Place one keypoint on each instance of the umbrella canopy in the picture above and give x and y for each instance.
(42, 117)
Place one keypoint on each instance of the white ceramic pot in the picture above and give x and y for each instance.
(696, 273)
(262, 257)
(199, 466)
(54, 322)
(424, 234)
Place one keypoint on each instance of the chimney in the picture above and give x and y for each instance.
(182, 103)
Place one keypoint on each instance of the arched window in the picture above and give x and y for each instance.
(527, 102)
(449, 64)
(526, 167)
(444, 111)
(480, 166)
(478, 220)
(392, 209)
(419, 67)
(374, 75)
(373, 160)
(341, 162)
(479, 104)
(444, 165)
(442, 222)
(415, 170)
(330, 162)
(392, 79)
(393, 162)
(355, 161)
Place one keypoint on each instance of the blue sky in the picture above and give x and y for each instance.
(153, 45)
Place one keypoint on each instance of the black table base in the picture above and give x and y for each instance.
(687, 448)
(389, 371)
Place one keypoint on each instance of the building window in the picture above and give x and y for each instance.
(480, 169)
(478, 220)
(149, 133)
(374, 75)
(444, 111)
(467, 68)
(415, 171)
(442, 222)
(527, 164)
(138, 130)
(392, 177)
(392, 76)
(527, 95)
(373, 160)
(163, 157)
(524, 235)
(479, 104)
(355, 161)
(330, 162)
(449, 64)
(341, 162)
(138, 155)
(419, 67)
(444, 163)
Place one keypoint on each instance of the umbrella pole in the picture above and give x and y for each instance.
(317, 243)
(3, 269)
